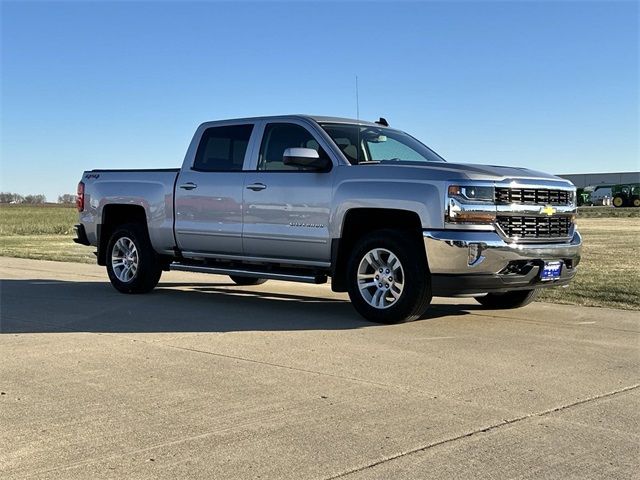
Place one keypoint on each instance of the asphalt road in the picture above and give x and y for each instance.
(203, 379)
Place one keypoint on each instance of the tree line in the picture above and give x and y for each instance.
(8, 197)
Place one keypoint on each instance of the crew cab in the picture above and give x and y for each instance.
(307, 198)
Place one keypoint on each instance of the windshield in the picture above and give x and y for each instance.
(366, 144)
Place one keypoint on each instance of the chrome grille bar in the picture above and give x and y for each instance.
(532, 196)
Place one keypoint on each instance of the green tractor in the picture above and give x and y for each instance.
(583, 197)
(626, 195)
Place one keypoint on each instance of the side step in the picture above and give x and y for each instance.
(287, 277)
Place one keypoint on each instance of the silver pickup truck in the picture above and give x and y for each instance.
(303, 198)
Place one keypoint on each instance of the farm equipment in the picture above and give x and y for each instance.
(626, 195)
(583, 197)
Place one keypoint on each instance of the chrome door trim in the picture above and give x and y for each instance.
(284, 237)
(208, 234)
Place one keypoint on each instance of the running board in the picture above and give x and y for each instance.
(287, 277)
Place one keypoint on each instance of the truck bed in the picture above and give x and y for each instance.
(113, 170)
(150, 189)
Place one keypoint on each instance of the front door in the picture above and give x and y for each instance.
(286, 208)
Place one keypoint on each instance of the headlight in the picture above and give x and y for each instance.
(470, 205)
(472, 194)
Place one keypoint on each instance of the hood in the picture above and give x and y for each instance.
(470, 171)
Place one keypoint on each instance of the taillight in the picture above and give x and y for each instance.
(80, 197)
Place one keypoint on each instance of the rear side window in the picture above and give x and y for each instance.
(222, 149)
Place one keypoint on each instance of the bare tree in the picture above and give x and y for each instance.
(8, 197)
(35, 199)
(67, 199)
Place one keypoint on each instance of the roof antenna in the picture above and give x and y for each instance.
(358, 122)
(357, 101)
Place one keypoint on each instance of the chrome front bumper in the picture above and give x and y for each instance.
(469, 262)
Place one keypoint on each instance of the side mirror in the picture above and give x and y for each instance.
(305, 157)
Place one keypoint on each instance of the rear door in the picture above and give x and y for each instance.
(208, 193)
(286, 209)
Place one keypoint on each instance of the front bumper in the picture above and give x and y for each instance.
(477, 262)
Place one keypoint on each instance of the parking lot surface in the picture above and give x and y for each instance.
(205, 379)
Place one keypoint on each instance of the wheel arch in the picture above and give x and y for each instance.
(356, 223)
(114, 215)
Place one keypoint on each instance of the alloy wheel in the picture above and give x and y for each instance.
(380, 278)
(124, 259)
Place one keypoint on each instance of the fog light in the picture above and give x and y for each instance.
(475, 254)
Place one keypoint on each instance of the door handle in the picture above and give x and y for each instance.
(188, 186)
(256, 187)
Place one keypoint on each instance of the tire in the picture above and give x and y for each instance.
(247, 281)
(515, 299)
(618, 201)
(636, 202)
(143, 260)
(401, 299)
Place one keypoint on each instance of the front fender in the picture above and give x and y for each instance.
(422, 198)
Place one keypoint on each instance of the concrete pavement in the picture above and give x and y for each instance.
(204, 379)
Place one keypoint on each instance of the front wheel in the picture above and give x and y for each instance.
(516, 299)
(132, 264)
(636, 202)
(388, 278)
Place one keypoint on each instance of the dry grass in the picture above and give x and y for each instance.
(46, 247)
(608, 212)
(37, 220)
(609, 274)
(41, 232)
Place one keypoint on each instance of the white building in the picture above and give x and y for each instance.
(586, 179)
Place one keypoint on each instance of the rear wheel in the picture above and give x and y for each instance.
(246, 281)
(618, 201)
(132, 264)
(388, 278)
(515, 299)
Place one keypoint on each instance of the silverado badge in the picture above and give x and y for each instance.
(548, 210)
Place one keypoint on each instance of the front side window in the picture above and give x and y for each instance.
(368, 144)
(222, 149)
(277, 138)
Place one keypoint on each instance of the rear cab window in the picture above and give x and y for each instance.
(222, 149)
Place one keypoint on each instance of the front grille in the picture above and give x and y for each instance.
(532, 196)
(529, 228)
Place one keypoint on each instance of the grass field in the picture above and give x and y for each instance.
(37, 220)
(609, 273)
(41, 232)
(608, 212)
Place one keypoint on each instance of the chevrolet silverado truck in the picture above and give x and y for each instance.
(307, 198)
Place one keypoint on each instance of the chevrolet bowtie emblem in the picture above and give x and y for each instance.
(548, 210)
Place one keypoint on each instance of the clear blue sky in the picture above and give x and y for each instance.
(547, 85)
